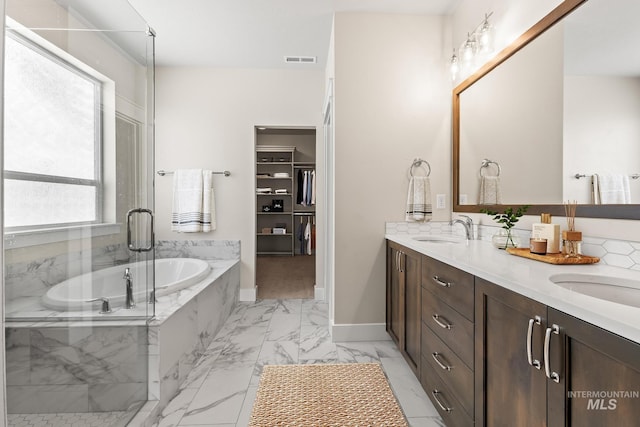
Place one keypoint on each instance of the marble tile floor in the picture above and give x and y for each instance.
(221, 389)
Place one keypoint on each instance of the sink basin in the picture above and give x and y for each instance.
(435, 238)
(614, 289)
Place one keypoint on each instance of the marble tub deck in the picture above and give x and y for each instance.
(128, 363)
(220, 389)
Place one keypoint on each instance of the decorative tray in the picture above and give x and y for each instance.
(553, 258)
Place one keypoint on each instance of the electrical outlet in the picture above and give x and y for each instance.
(463, 199)
(440, 201)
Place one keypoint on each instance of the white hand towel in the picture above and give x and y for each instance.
(612, 189)
(419, 199)
(193, 201)
(490, 193)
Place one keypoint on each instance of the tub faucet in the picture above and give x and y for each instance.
(129, 302)
(467, 222)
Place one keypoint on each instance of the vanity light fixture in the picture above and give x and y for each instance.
(478, 42)
(454, 65)
(485, 35)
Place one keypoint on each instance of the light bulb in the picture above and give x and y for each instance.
(468, 49)
(485, 37)
(454, 66)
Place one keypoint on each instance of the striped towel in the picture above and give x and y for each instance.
(419, 199)
(193, 201)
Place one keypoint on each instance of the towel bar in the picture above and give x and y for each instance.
(163, 173)
(581, 175)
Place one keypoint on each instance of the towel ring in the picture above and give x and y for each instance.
(420, 163)
(485, 164)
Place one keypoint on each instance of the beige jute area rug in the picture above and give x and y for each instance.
(331, 395)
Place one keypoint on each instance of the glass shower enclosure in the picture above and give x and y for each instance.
(78, 210)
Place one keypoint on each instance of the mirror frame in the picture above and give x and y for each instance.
(590, 211)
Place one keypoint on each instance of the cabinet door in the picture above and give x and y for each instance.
(410, 266)
(509, 391)
(395, 315)
(599, 376)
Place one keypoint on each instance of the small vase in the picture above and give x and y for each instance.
(504, 239)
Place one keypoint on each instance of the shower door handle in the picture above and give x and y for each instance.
(129, 242)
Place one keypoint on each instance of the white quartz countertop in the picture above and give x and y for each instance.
(531, 279)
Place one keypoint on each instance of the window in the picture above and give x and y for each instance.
(52, 140)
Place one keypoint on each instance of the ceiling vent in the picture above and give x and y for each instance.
(300, 59)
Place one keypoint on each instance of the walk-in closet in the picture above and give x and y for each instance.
(286, 200)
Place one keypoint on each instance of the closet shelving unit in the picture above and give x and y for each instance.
(271, 160)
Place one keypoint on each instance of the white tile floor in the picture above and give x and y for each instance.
(221, 389)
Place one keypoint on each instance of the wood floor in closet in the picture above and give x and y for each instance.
(286, 277)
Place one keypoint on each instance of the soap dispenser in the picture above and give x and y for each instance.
(546, 230)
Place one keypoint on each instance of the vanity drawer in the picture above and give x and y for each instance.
(453, 286)
(449, 325)
(454, 373)
(442, 398)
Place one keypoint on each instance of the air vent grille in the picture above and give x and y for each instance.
(300, 59)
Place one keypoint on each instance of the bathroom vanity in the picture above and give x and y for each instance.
(495, 342)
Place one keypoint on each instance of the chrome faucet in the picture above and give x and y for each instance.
(467, 222)
(129, 302)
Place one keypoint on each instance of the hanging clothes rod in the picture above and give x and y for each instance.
(581, 175)
(304, 214)
(163, 173)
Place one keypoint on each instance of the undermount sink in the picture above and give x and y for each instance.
(435, 238)
(614, 289)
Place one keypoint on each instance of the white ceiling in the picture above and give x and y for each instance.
(257, 33)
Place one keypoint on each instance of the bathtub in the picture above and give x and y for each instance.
(171, 275)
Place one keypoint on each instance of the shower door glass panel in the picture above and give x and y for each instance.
(78, 156)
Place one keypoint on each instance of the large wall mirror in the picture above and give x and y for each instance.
(551, 112)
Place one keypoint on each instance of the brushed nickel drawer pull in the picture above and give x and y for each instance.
(436, 356)
(444, 324)
(441, 282)
(537, 320)
(547, 344)
(442, 406)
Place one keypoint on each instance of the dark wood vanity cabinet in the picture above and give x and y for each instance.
(488, 356)
(403, 301)
(448, 341)
(537, 366)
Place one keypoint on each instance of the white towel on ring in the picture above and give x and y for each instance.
(193, 201)
(419, 199)
(490, 193)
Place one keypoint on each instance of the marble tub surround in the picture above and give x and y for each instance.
(82, 369)
(616, 253)
(29, 279)
(221, 389)
(201, 249)
(531, 279)
(185, 324)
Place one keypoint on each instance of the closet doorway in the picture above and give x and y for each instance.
(286, 204)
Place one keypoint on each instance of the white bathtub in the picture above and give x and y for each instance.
(171, 275)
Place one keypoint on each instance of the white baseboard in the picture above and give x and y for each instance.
(248, 294)
(359, 332)
(318, 293)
